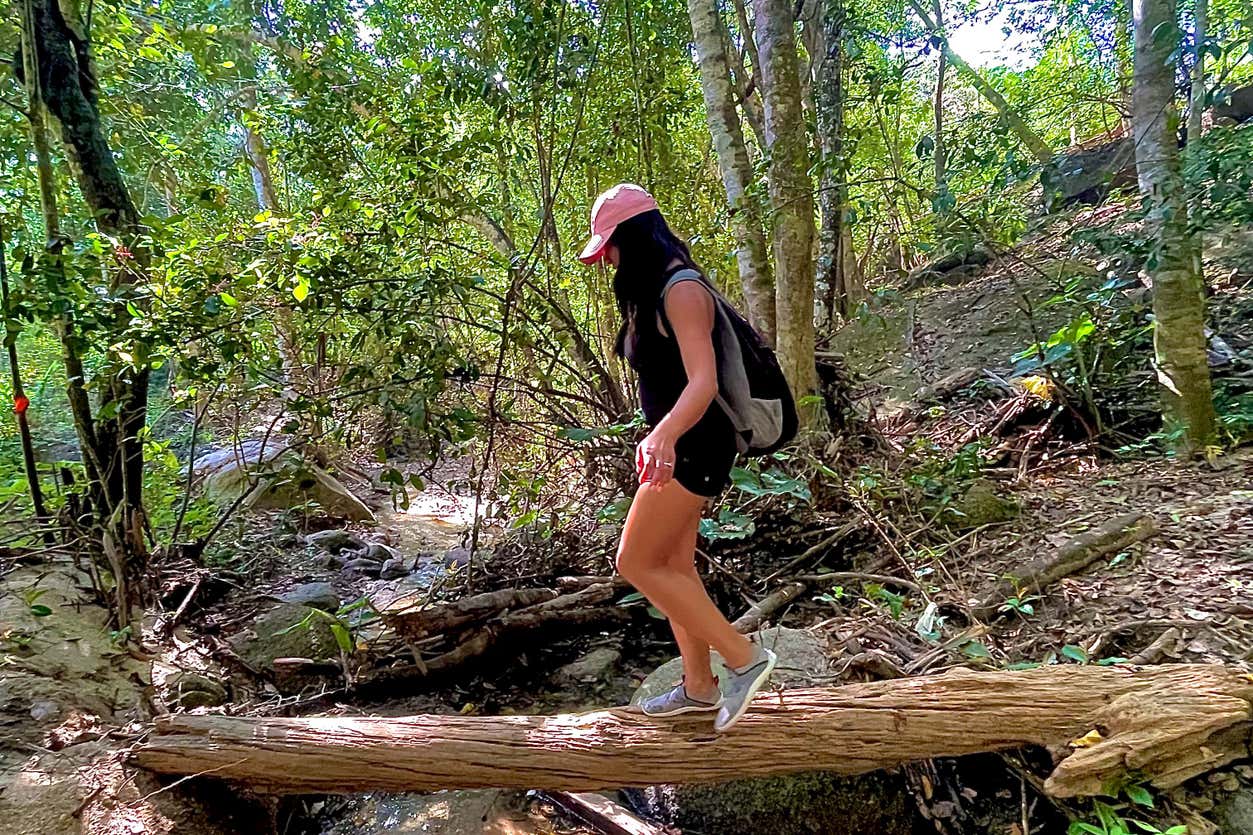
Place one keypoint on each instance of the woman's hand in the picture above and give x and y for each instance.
(654, 457)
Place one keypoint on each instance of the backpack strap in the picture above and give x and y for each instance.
(677, 277)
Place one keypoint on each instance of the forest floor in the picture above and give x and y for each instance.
(1185, 594)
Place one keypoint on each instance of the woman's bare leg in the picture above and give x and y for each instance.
(660, 518)
(698, 673)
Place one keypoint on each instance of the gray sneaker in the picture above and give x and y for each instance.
(741, 686)
(675, 701)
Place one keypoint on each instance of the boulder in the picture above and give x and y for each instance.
(801, 804)
(950, 268)
(335, 541)
(597, 665)
(802, 660)
(317, 595)
(362, 567)
(1234, 106)
(186, 689)
(393, 569)
(1235, 814)
(457, 557)
(287, 631)
(1088, 174)
(85, 788)
(979, 505)
(380, 552)
(288, 481)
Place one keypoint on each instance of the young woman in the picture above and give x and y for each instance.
(686, 459)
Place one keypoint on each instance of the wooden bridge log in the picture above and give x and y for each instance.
(1169, 722)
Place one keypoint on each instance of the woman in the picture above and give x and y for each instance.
(686, 459)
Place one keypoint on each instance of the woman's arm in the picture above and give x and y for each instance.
(690, 309)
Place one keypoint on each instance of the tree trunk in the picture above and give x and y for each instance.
(754, 110)
(20, 401)
(60, 78)
(258, 153)
(1178, 300)
(1038, 147)
(1170, 723)
(1197, 106)
(940, 151)
(791, 195)
(737, 172)
(841, 285)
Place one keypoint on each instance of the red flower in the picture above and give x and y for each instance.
(21, 404)
(123, 253)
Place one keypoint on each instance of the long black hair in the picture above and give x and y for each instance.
(646, 247)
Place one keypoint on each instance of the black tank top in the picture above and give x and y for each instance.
(657, 361)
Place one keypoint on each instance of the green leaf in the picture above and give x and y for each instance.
(729, 525)
(228, 65)
(1075, 653)
(1139, 795)
(975, 649)
(301, 291)
(578, 433)
(633, 597)
(1023, 665)
(342, 636)
(653, 611)
(1113, 659)
(39, 610)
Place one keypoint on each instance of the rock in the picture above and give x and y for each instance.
(317, 595)
(186, 689)
(457, 557)
(799, 804)
(380, 552)
(1235, 814)
(980, 505)
(86, 788)
(362, 567)
(1088, 174)
(44, 709)
(594, 666)
(802, 661)
(334, 541)
(290, 630)
(393, 569)
(1234, 106)
(289, 481)
(950, 268)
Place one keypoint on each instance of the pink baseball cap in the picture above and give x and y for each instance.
(625, 200)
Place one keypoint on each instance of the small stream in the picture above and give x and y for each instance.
(434, 523)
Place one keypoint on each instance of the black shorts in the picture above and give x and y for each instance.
(705, 454)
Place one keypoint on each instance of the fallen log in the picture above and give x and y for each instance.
(767, 606)
(1076, 555)
(1169, 722)
(412, 620)
(602, 814)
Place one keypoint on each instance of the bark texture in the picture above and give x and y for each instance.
(1178, 300)
(1038, 147)
(838, 271)
(791, 194)
(751, 254)
(1170, 722)
(1200, 27)
(60, 77)
(258, 153)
